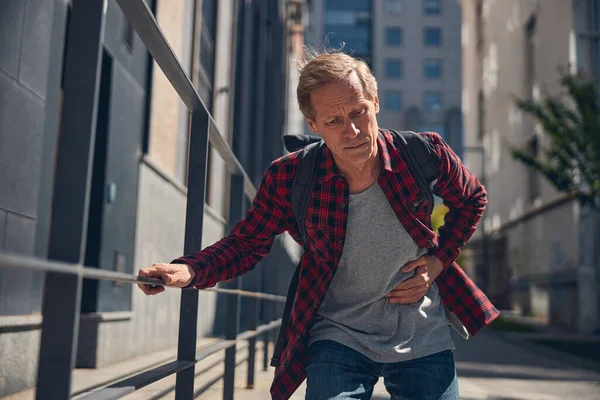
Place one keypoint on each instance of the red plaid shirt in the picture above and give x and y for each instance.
(271, 214)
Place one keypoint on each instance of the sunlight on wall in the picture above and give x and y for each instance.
(490, 70)
(513, 21)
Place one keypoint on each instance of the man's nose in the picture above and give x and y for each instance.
(350, 130)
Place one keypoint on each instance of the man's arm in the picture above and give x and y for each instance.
(464, 196)
(251, 239)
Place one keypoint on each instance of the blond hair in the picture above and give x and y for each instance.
(318, 69)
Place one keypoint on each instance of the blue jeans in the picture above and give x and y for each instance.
(337, 372)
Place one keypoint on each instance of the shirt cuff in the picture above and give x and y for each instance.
(199, 271)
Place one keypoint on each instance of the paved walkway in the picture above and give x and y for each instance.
(489, 369)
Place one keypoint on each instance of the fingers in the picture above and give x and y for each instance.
(411, 290)
(408, 296)
(151, 272)
(415, 281)
(175, 275)
(411, 265)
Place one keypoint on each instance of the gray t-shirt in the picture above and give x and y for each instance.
(355, 312)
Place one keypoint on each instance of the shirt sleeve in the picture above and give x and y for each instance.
(464, 196)
(250, 240)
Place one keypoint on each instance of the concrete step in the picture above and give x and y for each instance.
(208, 371)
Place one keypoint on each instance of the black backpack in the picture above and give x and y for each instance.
(422, 163)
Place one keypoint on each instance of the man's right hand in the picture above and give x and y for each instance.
(175, 275)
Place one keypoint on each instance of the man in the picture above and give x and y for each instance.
(377, 285)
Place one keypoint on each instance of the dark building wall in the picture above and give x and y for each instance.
(26, 151)
(25, 31)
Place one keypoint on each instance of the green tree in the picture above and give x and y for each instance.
(437, 216)
(571, 122)
(437, 220)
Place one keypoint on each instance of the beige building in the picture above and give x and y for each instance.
(542, 243)
(414, 50)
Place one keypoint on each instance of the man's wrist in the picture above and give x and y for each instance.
(192, 275)
(441, 255)
(194, 270)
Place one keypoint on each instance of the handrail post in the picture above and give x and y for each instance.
(188, 313)
(236, 210)
(253, 306)
(266, 335)
(62, 293)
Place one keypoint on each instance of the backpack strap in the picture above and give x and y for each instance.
(422, 162)
(302, 189)
(304, 183)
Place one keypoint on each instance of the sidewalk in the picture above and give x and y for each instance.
(490, 366)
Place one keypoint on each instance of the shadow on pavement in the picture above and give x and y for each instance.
(488, 356)
(476, 370)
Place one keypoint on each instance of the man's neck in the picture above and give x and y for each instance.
(361, 177)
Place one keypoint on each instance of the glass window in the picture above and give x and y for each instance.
(340, 17)
(348, 5)
(393, 100)
(432, 101)
(128, 35)
(394, 6)
(348, 22)
(432, 68)
(356, 38)
(393, 68)
(393, 36)
(432, 7)
(432, 37)
(207, 52)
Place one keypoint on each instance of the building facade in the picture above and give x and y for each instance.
(237, 55)
(540, 238)
(414, 49)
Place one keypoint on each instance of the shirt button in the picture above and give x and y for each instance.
(343, 205)
(298, 336)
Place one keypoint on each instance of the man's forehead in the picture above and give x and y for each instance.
(337, 97)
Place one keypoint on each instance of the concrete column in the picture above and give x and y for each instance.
(589, 235)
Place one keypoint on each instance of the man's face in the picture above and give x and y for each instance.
(346, 120)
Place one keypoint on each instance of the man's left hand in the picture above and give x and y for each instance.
(413, 289)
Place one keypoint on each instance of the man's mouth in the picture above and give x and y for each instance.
(357, 146)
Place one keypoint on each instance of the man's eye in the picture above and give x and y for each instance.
(332, 122)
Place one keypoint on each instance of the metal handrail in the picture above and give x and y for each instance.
(143, 22)
(145, 378)
(136, 382)
(8, 260)
(61, 313)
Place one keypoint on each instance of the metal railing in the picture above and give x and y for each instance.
(145, 378)
(64, 277)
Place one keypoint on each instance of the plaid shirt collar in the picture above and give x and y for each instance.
(385, 146)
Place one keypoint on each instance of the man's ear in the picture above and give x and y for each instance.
(312, 125)
(376, 102)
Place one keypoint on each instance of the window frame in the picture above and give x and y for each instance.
(401, 36)
(426, 10)
(399, 63)
(387, 103)
(398, 9)
(425, 36)
(440, 68)
(426, 94)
